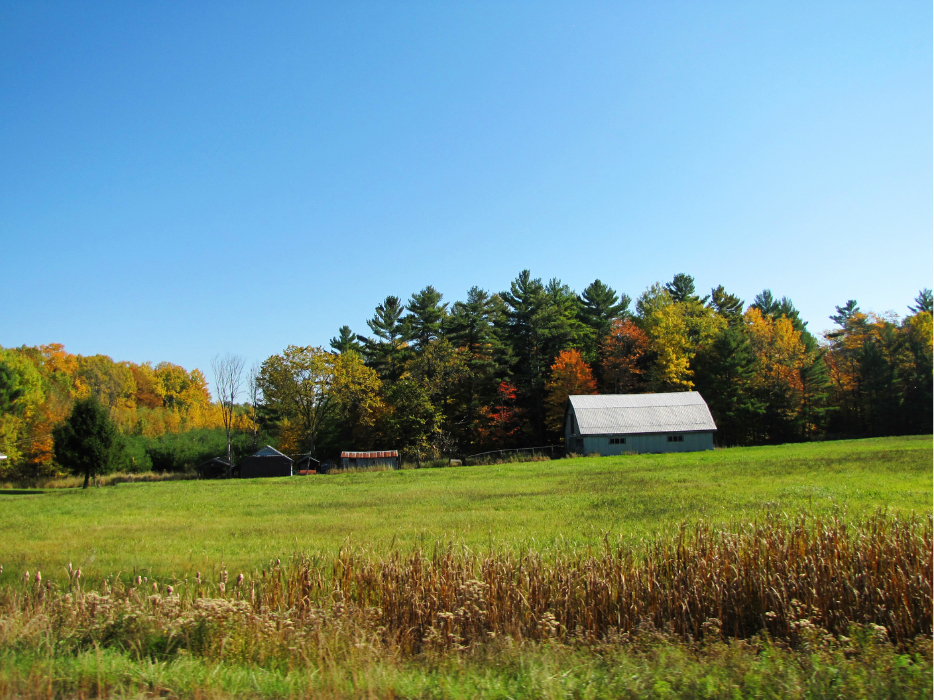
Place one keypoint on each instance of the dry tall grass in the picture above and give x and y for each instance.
(794, 577)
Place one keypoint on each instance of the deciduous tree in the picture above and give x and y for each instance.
(297, 384)
(570, 376)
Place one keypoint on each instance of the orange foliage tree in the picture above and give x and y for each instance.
(498, 423)
(570, 376)
(624, 352)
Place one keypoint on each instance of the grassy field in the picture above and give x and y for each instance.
(176, 528)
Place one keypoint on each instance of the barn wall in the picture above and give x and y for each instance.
(651, 442)
(259, 467)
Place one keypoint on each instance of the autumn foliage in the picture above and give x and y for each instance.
(570, 376)
(494, 371)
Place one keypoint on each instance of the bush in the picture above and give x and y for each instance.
(179, 452)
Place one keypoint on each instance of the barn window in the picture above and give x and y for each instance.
(676, 438)
(618, 441)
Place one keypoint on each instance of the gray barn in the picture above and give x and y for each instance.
(614, 424)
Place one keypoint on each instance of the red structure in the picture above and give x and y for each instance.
(387, 458)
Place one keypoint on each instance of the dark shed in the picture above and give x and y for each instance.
(306, 464)
(214, 468)
(267, 462)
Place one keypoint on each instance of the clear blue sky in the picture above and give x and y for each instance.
(181, 179)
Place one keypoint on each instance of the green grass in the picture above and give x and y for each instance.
(176, 528)
(648, 669)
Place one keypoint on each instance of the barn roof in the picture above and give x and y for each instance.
(270, 451)
(629, 414)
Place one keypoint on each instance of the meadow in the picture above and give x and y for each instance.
(798, 571)
(175, 528)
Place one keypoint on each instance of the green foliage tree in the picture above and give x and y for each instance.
(297, 384)
(412, 422)
(87, 442)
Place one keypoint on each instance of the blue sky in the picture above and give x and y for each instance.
(183, 179)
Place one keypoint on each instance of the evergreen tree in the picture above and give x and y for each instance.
(525, 301)
(681, 289)
(924, 302)
(727, 305)
(724, 374)
(815, 381)
(426, 316)
(845, 313)
(477, 327)
(87, 442)
(346, 341)
(557, 321)
(10, 389)
(599, 306)
(387, 352)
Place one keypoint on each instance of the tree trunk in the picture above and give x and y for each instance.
(87, 478)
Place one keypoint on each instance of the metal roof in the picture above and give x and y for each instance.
(270, 451)
(630, 414)
(381, 454)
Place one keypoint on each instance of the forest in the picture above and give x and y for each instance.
(431, 378)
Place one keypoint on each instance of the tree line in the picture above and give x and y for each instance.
(494, 371)
(39, 387)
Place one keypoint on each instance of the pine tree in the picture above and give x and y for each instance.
(924, 301)
(727, 305)
(600, 306)
(387, 353)
(724, 374)
(681, 289)
(525, 301)
(346, 341)
(845, 313)
(815, 380)
(476, 326)
(426, 316)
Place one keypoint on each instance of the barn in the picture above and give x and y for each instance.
(613, 424)
(267, 462)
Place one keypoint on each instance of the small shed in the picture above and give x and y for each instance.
(267, 462)
(306, 464)
(385, 458)
(214, 468)
(613, 424)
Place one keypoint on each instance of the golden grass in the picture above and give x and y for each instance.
(796, 578)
